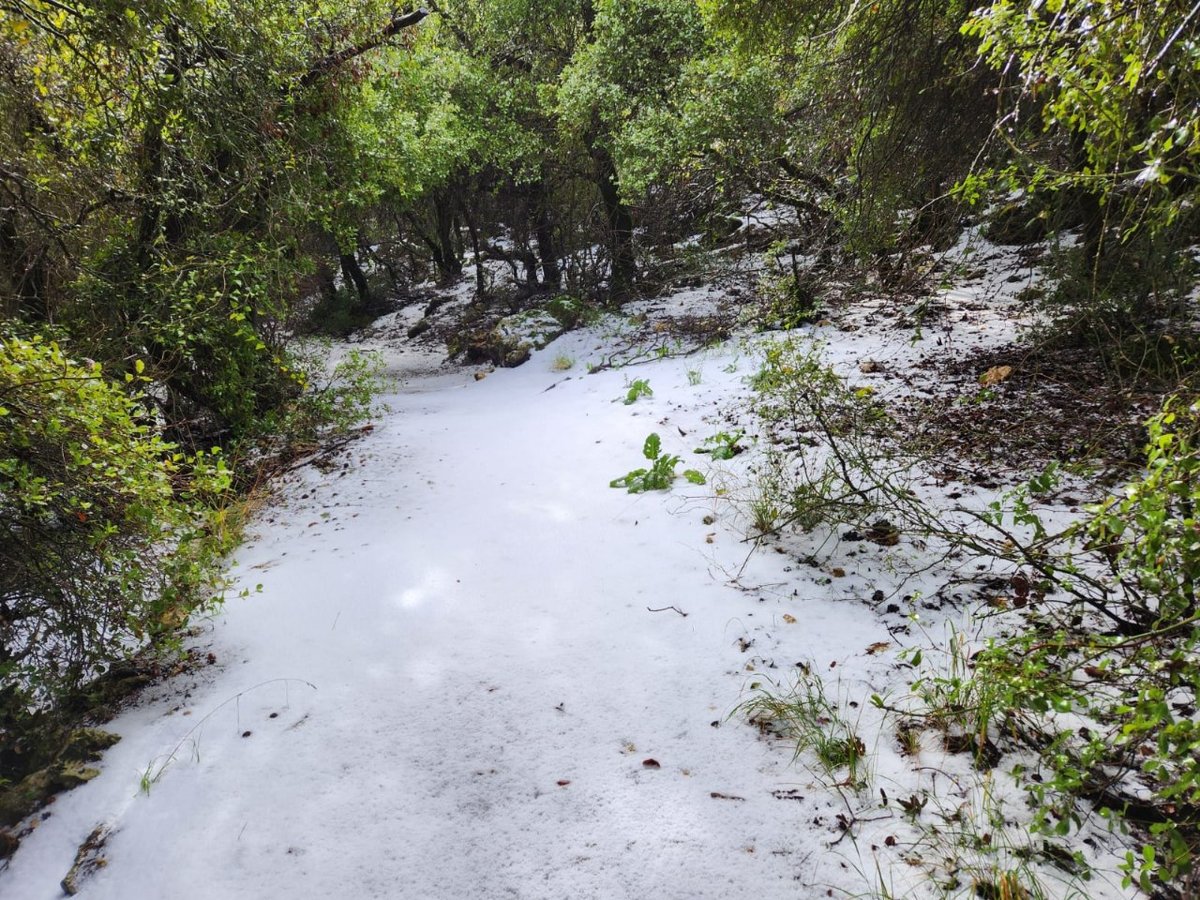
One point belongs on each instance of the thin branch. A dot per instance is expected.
(328, 63)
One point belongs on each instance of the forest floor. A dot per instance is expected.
(475, 670)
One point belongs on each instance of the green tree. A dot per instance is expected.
(1102, 111)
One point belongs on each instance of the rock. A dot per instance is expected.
(512, 340)
(884, 534)
(24, 798)
(88, 859)
(86, 744)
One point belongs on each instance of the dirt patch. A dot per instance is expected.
(1019, 408)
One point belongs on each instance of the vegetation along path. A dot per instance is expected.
(452, 683)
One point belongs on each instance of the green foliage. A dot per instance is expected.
(327, 407)
(802, 712)
(1107, 634)
(1118, 141)
(639, 388)
(789, 301)
(103, 544)
(570, 311)
(1149, 535)
(661, 473)
(722, 445)
(633, 63)
(160, 191)
(864, 91)
(1125, 79)
(830, 460)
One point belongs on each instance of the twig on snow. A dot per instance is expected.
(665, 608)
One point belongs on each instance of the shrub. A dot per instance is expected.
(326, 407)
(101, 525)
(830, 459)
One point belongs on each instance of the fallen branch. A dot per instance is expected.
(665, 608)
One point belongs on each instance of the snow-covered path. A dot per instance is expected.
(469, 599)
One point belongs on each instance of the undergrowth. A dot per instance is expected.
(115, 537)
(1088, 669)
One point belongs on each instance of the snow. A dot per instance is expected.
(450, 682)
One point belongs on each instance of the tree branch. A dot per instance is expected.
(327, 64)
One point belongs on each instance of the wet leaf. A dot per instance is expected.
(995, 375)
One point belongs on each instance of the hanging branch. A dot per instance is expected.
(326, 64)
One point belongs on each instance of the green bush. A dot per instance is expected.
(102, 540)
(326, 407)
(830, 459)
(1108, 636)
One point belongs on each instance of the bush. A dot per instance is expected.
(830, 459)
(328, 407)
(101, 525)
(1099, 674)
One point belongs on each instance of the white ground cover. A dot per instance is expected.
(451, 684)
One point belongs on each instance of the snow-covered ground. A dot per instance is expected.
(452, 683)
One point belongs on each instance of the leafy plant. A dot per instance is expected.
(764, 513)
(639, 388)
(661, 473)
(723, 445)
(829, 458)
(1097, 672)
(789, 299)
(106, 544)
(330, 408)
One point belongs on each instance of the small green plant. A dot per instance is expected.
(722, 445)
(562, 363)
(637, 389)
(829, 457)
(571, 311)
(803, 713)
(764, 514)
(331, 408)
(955, 700)
(694, 377)
(661, 473)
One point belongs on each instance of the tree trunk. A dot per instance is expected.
(473, 231)
(543, 229)
(620, 225)
(354, 274)
(1091, 213)
(443, 210)
(26, 271)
